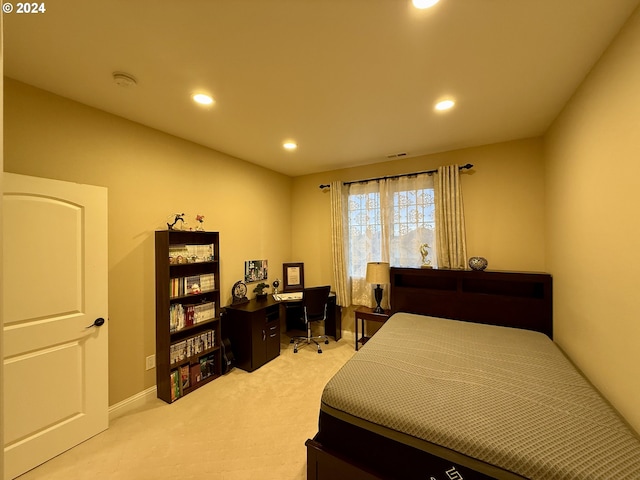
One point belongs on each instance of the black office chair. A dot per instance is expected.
(314, 309)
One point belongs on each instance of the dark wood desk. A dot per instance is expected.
(332, 326)
(253, 328)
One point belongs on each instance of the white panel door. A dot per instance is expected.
(55, 287)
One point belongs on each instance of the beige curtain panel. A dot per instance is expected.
(338, 225)
(450, 229)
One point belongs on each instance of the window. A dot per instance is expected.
(414, 224)
(389, 221)
(365, 232)
(396, 221)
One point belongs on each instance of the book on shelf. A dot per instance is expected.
(184, 377)
(192, 346)
(176, 287)
(181, 254)
(178, 254)
(201, 253)
(182, 316)
(176, 317)
(191, 285)
(177, 352)
(175, 385)
(196, 376)
(207, 282)
(207, 366)
(203, 312)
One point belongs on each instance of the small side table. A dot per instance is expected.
(366, 313)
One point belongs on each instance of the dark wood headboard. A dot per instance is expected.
(511, 299)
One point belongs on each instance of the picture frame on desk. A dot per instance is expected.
(293, 277)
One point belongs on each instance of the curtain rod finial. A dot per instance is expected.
(322, 187)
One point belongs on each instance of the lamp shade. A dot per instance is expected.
(378, 272)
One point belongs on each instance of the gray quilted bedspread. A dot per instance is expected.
(504, 396)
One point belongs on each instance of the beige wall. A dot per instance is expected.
(149, 175)
(593, 201)
(503, 200)
(1, 248)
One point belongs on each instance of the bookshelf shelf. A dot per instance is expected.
(196, 326)
(191, 264)
(188, 353)
(192, 295)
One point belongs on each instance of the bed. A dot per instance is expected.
(482, 393)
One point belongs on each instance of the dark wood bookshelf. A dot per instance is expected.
(208, 359)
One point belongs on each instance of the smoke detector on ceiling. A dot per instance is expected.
(124, 79)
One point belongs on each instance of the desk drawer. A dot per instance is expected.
(273, 340)
(272, 313)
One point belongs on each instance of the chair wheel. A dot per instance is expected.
(326, 342)
(295, 350)
(291, 341)
(319, 350)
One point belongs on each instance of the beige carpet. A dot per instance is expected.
(240, 426)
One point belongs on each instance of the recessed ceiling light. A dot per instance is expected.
(290, 145)
(424, 3)
(445, 105)
(202, 99)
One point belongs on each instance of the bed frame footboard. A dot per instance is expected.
(324, 464)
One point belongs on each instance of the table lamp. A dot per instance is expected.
(378, 273)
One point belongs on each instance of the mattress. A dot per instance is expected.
(494, 398)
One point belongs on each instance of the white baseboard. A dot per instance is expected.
(132, 403)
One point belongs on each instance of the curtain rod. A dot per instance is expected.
(391, 177)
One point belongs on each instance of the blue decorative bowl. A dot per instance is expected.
(478, 263)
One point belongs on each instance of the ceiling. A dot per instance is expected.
(350, 81)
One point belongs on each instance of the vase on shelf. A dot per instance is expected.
(478, 263)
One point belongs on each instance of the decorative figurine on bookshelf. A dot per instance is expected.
(178, 217)
(200, 220)
(424, 252)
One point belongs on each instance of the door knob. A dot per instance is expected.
(97, 323)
